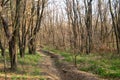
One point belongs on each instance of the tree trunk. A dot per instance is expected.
(115, 26)
(22, 45)
(12, 53)
(2, 49)
(88, 22)
(12, 44)
(32, 46)
(22, 51)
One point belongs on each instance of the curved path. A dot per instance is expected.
(54, 68)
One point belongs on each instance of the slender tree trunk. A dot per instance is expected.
(2, 49)
(23, 31)
(32, 46)
(36, 29)
(12, 53)
(22, 49)
(115, 26)
(88, 22)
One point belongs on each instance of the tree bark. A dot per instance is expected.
(88, 22)
(115, 27)
(32, 46)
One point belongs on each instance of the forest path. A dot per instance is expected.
(48, 68)
(55, 68)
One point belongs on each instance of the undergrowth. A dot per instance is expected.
(27, 67)
(105, 65)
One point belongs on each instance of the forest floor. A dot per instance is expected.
(104, 65)
(28, 68)
(56, 69)
(45, 66)
(48, 68)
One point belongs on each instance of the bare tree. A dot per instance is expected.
(12, 36)
(23, 30)
(115, 21)
(88, 22)
(35, 29)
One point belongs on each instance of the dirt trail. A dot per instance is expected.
(48, 69)
(55, 68)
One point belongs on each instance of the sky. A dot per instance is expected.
(60, 5)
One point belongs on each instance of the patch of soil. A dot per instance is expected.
(48, 68)
(56, 65)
